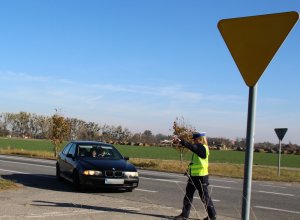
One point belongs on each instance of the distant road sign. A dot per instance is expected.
(253, 41)
(280, 132)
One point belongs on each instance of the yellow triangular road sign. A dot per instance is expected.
(253, 41)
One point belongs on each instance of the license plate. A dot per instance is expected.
(114, 181)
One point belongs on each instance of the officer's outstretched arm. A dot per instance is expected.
(198, 149)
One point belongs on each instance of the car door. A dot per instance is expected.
(70, 162)
(62, 159)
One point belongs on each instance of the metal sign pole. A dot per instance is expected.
(249, 153)
(280, 132)
(279, 156)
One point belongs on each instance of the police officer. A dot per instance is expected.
(198, 176)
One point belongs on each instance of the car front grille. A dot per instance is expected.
(113, 173)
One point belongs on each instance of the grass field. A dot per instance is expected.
(164, 153)
(31, 144)
(216, 156)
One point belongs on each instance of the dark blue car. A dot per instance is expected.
(97, 164)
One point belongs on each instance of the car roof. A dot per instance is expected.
(91, 142)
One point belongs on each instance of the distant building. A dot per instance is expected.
(166, 142)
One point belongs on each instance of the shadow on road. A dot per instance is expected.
(41, 181)
(94, 208)
(49, 182)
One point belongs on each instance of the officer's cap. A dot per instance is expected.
(198, 134)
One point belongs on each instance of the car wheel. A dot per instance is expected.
(129, 190)
(58, 176)
(76, 181)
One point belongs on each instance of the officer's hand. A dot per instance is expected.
(176, 139)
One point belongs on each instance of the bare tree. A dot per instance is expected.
(43, 124)
(77, 128)
(3, 126)
(147, 137)
(136, 138)
(115, 134)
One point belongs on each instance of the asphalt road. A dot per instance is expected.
(269, 200)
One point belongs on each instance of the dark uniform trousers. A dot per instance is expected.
(201, 184)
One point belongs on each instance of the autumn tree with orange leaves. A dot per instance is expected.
(60, 131)
(182, 130)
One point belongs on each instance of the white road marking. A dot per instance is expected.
(53, 214)
(163, 180)
(29, 159)
(274, 209)
(160, 173)
(145, 190)
(282, 187)
(13, 171)
(223, 187)
(216, 200)
(30, 164)
(180, 175)
(175, 181)
(225, 181)
(276, 193)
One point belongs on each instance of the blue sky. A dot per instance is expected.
(141, 64)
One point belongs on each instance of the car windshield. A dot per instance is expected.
(98, 151)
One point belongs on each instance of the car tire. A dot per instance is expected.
(76, 181)
(58, 176)
(129, 189)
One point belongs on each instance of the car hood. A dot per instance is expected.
(106, 164)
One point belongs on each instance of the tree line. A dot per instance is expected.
(57, 127)
(31, 125)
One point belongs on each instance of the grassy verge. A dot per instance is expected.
(223, 170)
(28, 153)
(7, 184)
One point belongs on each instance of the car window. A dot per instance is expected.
(72, 150)
(98, 151)
(85, 150)
(111, 153)
(67, 148)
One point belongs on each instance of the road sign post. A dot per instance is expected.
(279, 158)
(253, 42)
(249, 151)
(280, 132)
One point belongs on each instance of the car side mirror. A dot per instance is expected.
(70, 156)
(126, 158)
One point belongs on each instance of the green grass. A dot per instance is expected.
(151, 152)
(32, 145)
(164, 153)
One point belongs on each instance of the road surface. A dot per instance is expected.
(157, 190)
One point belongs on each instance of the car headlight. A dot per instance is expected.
(92, 173)
(131, 174)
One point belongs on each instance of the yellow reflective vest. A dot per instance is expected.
(199, 166)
